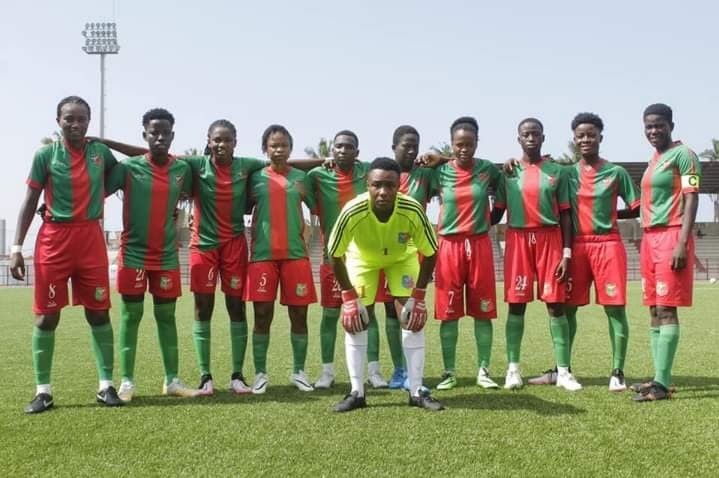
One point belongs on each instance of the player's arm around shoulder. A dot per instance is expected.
(116, 177)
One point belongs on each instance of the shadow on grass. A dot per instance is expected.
(683, 382)
(511, 401)
(498, 402)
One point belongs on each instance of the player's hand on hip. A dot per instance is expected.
(414, 312)
(562, 271)
(17, 266)
(679, 257)
(354, 313)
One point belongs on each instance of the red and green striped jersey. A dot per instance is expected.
(464, 196)
(534, 195)
(277, 221)
(417, 184)
(219, 199)
(151, 193)
(332, 189)
(668, 176)
(73, 181)
(593, 192)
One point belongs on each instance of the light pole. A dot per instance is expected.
(101, 39)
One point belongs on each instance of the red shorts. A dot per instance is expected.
(58, 258)
(660, 284)
(530, 254)
(330, 290)
(465, 271)
(602, 260)
(229, 261)
(165, 284)
(295, 276)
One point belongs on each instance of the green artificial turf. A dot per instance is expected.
(537, 431)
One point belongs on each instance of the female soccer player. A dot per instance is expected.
(152, 185)
(670, 189)
(598, 253)
(538, 244)
(465, 263)
(331, 190)
(415, 182)
(278, 255)
(71, 173)
(218, 246)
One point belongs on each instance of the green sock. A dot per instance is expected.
(394, 339)
(328, 333)
(299, 351)
(372, 338)
(514, 333)
(167, 337)
(559, 329)
(666, 348)
(238, 340)
(448, 334)
(618, 334)
(654, 339)
(131, 315)
(102, 345)
(570, 312)
(43, 346)
(260, 344)
(483, 332)
(202, 336)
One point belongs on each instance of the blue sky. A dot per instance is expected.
(321, 66)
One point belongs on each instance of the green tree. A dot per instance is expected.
(712, 154)
(184, 206)
(443, 149)
(323, 151)
(571, 157)
(53, 138)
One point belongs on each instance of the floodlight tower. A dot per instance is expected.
(101, 39)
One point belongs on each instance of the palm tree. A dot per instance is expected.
(443, 149)
(323, 151)
(569, 158)
(712, 154)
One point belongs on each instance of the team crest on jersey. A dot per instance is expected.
(662, 288)
(607, 181)
(96, 160)
(165, 283)
(100, 294)
(610, 289)
(551, 180)
(482, 176)
(179, 179)
(407, 281)
(235, 282)
(301, 289)
(403, 237)
(485, 305)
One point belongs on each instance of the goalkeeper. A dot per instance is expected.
(383, 229)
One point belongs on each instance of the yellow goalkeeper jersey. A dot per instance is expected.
(359, 234)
